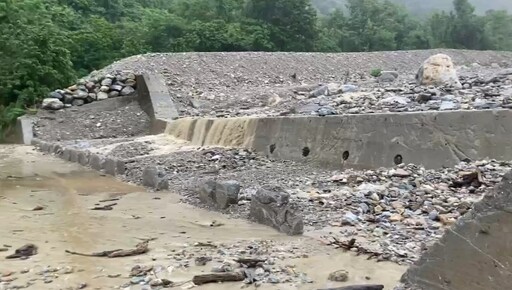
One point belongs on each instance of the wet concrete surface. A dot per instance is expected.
(67, 192)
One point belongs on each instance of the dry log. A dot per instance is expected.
(140, 248)
(358, 287)
(218, 277)
(250, 262)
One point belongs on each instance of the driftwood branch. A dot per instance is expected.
(140, 248)
(249, 262)
(358, 287)
(218, 277)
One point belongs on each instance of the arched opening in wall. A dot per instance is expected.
(272, 148)
(398, 159)
(345, 155)
(305, 151)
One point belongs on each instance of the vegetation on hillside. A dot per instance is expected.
(46, 44)
(421, 7)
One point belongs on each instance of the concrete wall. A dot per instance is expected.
(433, 139)
(475, 253)
(22, 131)
(155, 100)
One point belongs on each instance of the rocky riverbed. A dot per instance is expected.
(54, 206)
(384, 214)
(390, 214)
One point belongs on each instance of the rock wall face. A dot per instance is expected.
(475, 252)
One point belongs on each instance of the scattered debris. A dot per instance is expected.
(24, 252)
(105, 207)
(338, 276)
(140, 248)
(218, 277)
(357, 287)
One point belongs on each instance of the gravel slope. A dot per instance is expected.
(258, 83)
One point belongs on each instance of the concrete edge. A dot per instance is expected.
(98, 162)
(83, 157)
(155, 100)
(434, 139)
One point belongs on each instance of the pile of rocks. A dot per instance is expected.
(392, 213)
(91, 89)
(258, 262)
(437, 87)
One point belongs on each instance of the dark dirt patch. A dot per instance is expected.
(98, 120)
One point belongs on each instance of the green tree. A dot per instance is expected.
(293, 23)
(498, 30)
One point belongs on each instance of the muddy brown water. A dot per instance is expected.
(67, 191)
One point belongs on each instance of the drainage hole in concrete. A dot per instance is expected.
(345, 155)
(305, 151)
(398, 159)
(272, 148)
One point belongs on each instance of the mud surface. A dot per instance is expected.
(65, 193)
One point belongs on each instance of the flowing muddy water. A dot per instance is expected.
(67, 192)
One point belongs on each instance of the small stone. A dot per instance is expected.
(130, 82)
(201, 261)
(338, 276)
(106, 82)
(78, 102)
(80, 94)
(433, 215)
(73, 88)
(349, 219)
(102, 96)
(127, 91)
(90, 86)
(326, 111)
(391, 99)
(273, 279)
(349, 88)
(113, 94)
(52, 104)
(449, 105)
(55, 95)
(321, 91)
(116, 88)
(387, 76)
(399, 172)
(104, 89)
(396, 218)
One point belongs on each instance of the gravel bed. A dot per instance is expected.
(394, 213)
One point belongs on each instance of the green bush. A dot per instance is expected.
(376, 72)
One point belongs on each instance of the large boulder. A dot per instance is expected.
(52, 104)
(273, 209)
(438, 70)
(475, 252)
(219, 194)
(155, 177)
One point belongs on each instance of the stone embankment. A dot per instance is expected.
(91, 89)
(389, 214)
